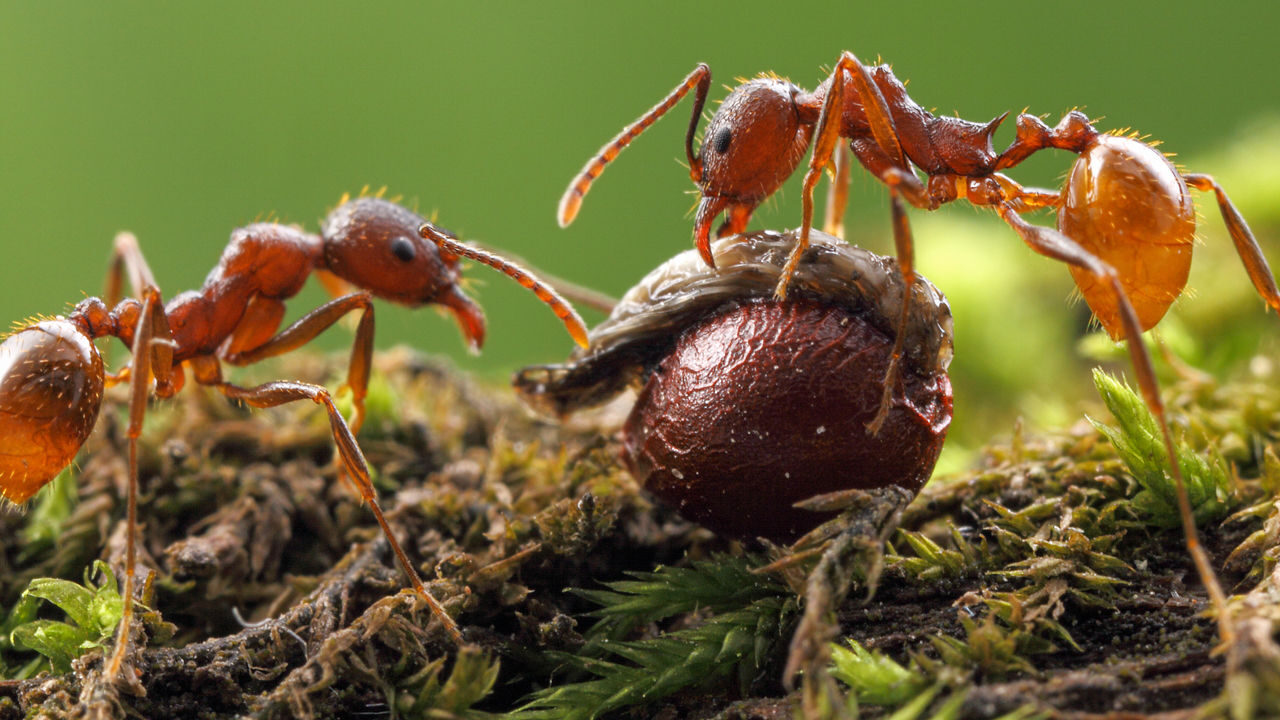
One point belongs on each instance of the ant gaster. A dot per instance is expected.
(52, 378)
(1125, 225)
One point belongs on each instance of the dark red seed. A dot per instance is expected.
(766, 405)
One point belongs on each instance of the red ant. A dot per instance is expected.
(1126, 221)
(52, 379)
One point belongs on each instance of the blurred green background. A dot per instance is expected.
(181, 121)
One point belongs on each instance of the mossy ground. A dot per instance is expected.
(1033, 581)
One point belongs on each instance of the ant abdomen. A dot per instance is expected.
(51, 381)
(1126, 204)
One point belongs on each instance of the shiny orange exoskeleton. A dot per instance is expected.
(1126, 221)
(52, 376)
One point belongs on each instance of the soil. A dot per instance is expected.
(242, 516)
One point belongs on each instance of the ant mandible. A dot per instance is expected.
(52, 377)
(1126, 222)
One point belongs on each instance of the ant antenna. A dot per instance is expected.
(572, 198)
(561, 307)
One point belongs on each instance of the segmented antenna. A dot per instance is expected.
(572, 198)
(561, 307)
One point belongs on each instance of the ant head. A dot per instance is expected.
(50, 391)
(752, 144)
(374, 244)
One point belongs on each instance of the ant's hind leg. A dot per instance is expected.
(352, 459)
(1053, 244)
(1246, 246)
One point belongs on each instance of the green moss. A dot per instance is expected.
(94, 611)
(1138, 441)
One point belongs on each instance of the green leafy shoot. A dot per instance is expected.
(733, 644)
(993, 647)
(948, 710)
(471, 680)
(876, 679)
(930, 561)
(751, 612)
(716, 584)
(1140, 445)
(94, 612)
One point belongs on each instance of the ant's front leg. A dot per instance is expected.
(828, 134)
(882, 155)
(247, 346)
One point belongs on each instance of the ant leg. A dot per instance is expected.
(152, 356)
(903, 185)
(352, 458)
(997, 188)
(241, 351)
(1180, 368)
(826, 136)
(837, 194)
(1053, 244)
(882, 154)
(905, 249)
(1246, 246)
(121, 376)
(126, 259)
(874, 105)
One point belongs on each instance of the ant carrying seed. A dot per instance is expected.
(1125, 219)
(52, 377)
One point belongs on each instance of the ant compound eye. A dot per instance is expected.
(722, 139)
(403, 248)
